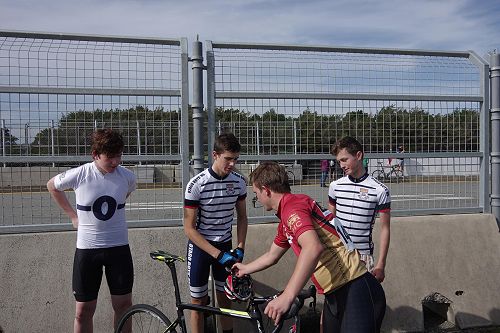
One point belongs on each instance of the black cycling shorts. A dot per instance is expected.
(358, 306)
(199, 263)
(87, 272)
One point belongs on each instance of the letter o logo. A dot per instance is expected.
(97, 207)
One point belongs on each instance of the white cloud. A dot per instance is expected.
(427, 24)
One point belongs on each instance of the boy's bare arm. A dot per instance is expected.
(241, 223)
(385, 238)
(193, 234)
(61, 199)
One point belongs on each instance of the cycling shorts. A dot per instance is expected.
(87, 272)
(199, 263)
(358, 306)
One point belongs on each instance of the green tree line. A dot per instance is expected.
(157, 131)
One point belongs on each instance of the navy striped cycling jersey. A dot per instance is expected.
(215, 198)
(357, 202)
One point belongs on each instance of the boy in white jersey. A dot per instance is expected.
(210, 199)
(355, 200)
(101, 188)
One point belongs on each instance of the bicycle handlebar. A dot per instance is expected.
(296, 306)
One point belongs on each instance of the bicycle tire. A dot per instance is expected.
(145, 319)
(378, 174)
(291, 177)
(398, 174)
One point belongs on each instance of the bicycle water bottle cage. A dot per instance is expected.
(238, 289)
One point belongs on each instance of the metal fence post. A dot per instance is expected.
(4, 153)
(197, 107)
(52, 141)
(210, 99)
(184, 113)
(495, 135)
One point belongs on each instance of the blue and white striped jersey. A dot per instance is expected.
(357, 202)
(215, 199)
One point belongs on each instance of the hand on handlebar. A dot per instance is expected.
(277, 307)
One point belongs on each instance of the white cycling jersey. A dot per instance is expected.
(357, 201)
(215, 199)
(100, 203)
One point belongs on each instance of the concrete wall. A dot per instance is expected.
(442, 254)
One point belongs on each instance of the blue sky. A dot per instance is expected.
(456, 25)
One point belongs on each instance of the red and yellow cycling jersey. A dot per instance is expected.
(337, 264)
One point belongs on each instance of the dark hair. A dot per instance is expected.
(108, 142)
(349, 143)
(227, 142)
(272, 175)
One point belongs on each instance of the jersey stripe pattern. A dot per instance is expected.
(357, 202)
(215, 198)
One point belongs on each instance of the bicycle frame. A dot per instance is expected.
(253, 312)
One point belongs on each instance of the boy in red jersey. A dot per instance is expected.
(354, 299)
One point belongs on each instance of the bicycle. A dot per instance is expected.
(393, 172)
(147, 318)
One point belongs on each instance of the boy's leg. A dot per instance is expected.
(220, 274)
(197, 318)
(365, 305)
(84, 313)
(120, 304)
(198, 270)
(87, 276)
(119, 270)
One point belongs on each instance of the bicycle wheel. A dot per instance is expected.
(143, 318)
(378, 174)
(291, 177)
(398, 175)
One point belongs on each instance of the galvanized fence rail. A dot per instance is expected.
(285, 102)
(55, 89)
(290, 103)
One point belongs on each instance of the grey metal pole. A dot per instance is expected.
(52, 144)
(4, 153)
(184, 114)
(138, 133)
(210, 98)
(197, 106)
(295, 140)
(495, 135)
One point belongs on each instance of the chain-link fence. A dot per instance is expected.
(55, 90)
(287, 103)
(291, 103)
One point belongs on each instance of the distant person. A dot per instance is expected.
(401, 161)
(101, 189)
(209, 203)
(365, 164)
(355, 199)
(354, 299)
(332, 169)
(324, 166)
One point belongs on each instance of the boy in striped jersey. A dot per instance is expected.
(209, 202)
(355, 200)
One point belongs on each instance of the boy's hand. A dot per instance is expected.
(226, 259)
(238, 253)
